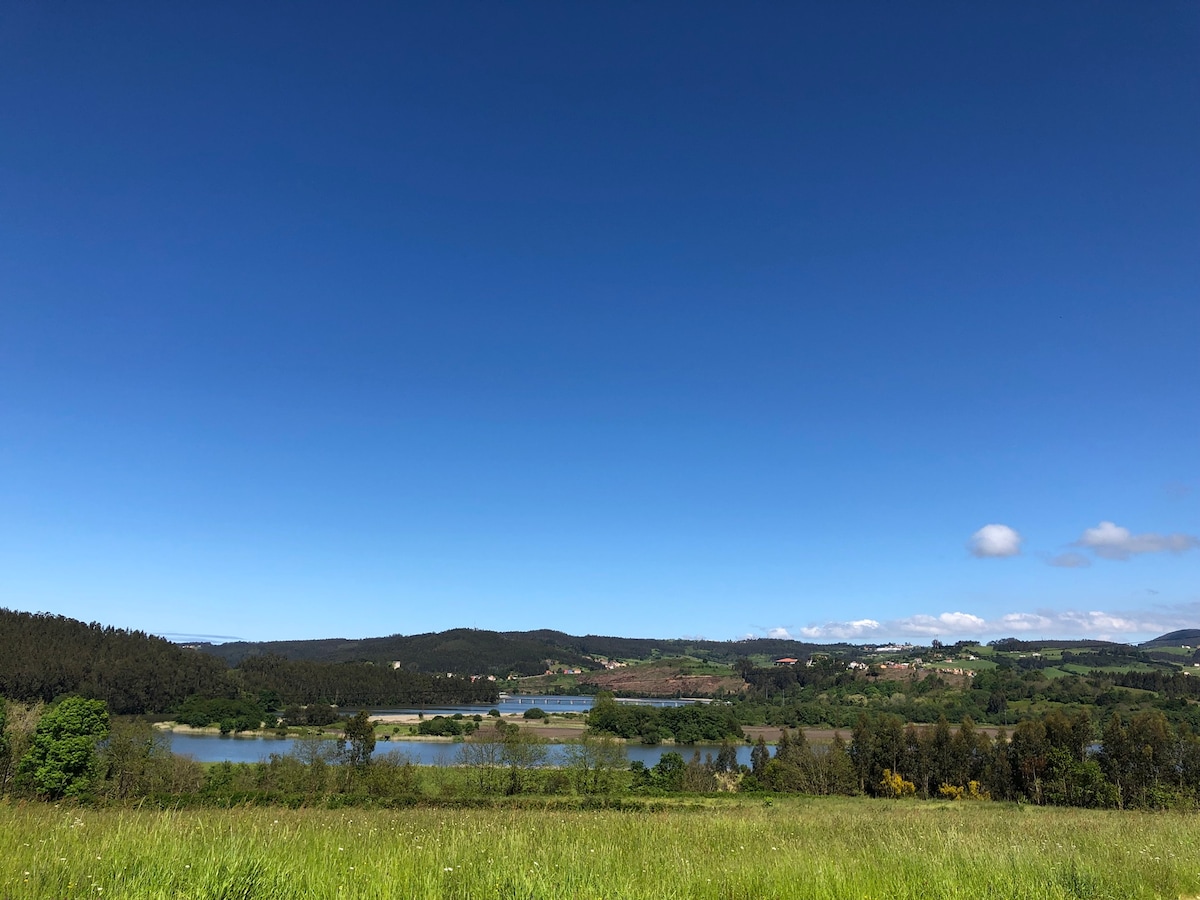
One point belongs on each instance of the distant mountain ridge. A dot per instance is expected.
(468, 651)
(1188, 636)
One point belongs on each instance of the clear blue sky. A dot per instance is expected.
(646, 319)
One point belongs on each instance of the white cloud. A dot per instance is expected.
(1111, 541)
(945, 623)
(1097, 622)
(1024, 622)
(1069, 560)
(1042, 623)
(995, 541)
(779, 633)
(841, 630)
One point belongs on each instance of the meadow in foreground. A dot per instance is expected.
(825, 848)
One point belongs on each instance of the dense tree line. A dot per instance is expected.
(355, 684)
(1057, 759)
(1169, 684)
(229, 715)
(652, 725)
(73, 750)
(829, 694)
(43, 657)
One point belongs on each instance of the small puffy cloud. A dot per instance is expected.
(1110, 541)
(992, 541)
(841, 630)
(1069, 560)
(779, 633)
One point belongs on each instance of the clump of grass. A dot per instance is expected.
(826, 849)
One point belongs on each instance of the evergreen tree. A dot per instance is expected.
(862, 752)
(759, 757)
(940, 763)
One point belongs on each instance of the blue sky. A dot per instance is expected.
(862, 320)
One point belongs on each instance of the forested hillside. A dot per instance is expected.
(469, 651)
(44, 656)
(463, 651)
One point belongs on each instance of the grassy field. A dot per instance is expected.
(836, 849)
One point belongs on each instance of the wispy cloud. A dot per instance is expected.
(992, 541)
(842, 631)
(1110, 541)
(1069, 560)
(180, 638)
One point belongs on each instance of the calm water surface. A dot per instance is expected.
(218, 748)
(253, 748)
(517, 703)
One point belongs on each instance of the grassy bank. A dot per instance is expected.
(829, 848)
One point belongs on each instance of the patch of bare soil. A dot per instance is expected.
(652, 681)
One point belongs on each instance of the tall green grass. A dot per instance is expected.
(830, 848)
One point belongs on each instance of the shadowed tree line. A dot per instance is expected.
(1058, 759)
(43, 657)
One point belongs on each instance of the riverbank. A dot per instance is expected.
(549, 729)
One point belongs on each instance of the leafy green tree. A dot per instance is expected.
(699, 775)
(522, 752)
(62, 760)
(440, 726)
(593, 762)
(483, 754)
(125, 756)
(1150, 758)
(359, 741)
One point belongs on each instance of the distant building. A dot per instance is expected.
(786, 661)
